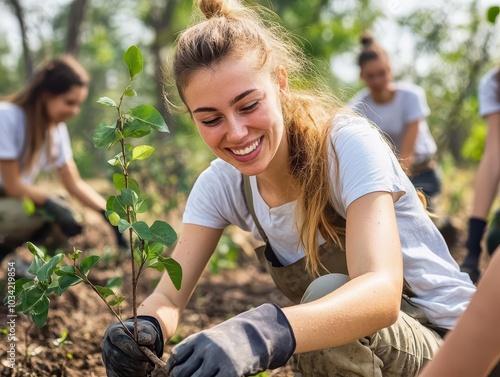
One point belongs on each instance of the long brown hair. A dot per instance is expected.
(56, 76)
(232, 30)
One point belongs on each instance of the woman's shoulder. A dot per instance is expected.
(490, 77)
(7, 108)
(345, 123)
(11, 115)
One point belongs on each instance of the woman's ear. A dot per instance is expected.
(282, 78)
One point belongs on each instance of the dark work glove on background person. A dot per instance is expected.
(121, 239)
(63, 216)
(120, 353)
(244, 345)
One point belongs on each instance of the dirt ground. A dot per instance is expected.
(85, 318)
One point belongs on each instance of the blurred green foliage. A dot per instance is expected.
(451, 52)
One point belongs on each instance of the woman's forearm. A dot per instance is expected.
(360, 307)
(160, 307)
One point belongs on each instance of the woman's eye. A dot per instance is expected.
(211, 122)
(251, 107)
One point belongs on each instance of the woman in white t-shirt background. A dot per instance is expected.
(399, 109)
(34, 137)
(487, 177)
(323, 188)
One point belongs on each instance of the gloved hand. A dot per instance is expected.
(493, 237)
(63, 216)
(121, 239)
(473, 244)
(247, 344)
(121, 354)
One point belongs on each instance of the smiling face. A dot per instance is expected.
(377, 74)
(237, 110)
(61, 107)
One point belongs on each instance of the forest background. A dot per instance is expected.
(444, 46)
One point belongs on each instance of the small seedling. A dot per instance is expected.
(51, 275)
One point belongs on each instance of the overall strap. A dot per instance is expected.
(249, 200)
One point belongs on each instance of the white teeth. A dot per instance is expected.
(247, 150)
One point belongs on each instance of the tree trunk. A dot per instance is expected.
(19, 12)
(161, 21)
(75, 19)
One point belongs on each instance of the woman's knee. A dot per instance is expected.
(323, 285)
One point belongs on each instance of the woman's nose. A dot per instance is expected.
(236, 130)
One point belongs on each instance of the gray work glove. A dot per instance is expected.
(121, 354)
(62, 215)
(247, 344)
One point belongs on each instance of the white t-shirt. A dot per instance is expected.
(408, 105)
(13, 134)
(489, 103)
(366, 164)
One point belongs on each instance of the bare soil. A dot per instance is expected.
(80, 312)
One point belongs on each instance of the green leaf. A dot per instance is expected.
(118, 301)
(110, 202)
(114, 282)
(66, 269)
(41, 311)
(141, 152)
(22, 284)
(153, 250)
(135, 129)
(141, 205)
(45, 272)
(119, 182)
(53, 287)
(104, 135)
(163, 233)
(119, 207)
(149, 115)
(142, 230)
(75, 255)
(28, 206)
(104, 291)
(113, 218)
(493, 13)
(35, 250)
(106, 101)
(35, 265)
(32, 297)
(129, 92)
(67, 281)
(115, 160)
(138, 256)
(123, 225)
(174, 270)
(87, 263)
(129, 197)
(133, 60)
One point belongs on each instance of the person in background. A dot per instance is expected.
(487, 177)
(472, 348)
(35, 137)
(346, 231)
(399, 109)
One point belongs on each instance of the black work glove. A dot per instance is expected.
(247, 344)
(121, 239)
(493, 237)
(62, 215)
(122, 356)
